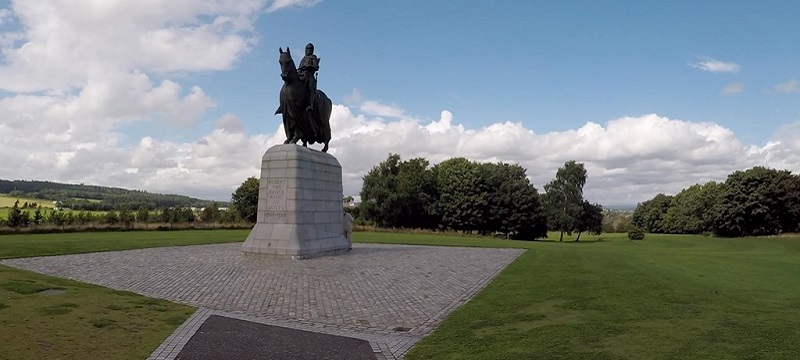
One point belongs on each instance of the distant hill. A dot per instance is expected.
(94, 197)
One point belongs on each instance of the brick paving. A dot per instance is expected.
(389, 295)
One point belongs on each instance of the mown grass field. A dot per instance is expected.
(667, 297)
(8, 201)
(86, 321)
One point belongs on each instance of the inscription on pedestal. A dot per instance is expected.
(276, 201)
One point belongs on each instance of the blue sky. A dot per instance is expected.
(652, 96)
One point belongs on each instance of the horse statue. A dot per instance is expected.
(308, 126)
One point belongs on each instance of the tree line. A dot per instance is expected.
(485, 198)
(753, 202)
(462, 195)
(18, 217)
(95, 198)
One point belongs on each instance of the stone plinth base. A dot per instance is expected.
(299, 205)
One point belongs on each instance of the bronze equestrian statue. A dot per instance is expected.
(306, 110)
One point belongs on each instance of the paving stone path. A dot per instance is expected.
(389, 295)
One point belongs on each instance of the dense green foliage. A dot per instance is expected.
(636, 233)
(456, 194)
(245, 199)
(564, 198)
(691, 211)
(41, 220)
(757, 201)
(590, 219)
(567, 211)
(93, 197)
(650, 214)
(399, 194)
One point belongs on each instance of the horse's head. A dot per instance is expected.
(288, 68)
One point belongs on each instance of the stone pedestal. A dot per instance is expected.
(299, 205)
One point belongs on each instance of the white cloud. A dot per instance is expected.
(628, 159)
(79, 71)
(714, 65)
(375, 108)
(64, 43)
(353, 98)
(282, 4)
(791, 86)
(230, 123)
(733, 88)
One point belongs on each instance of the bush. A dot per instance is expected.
(636, 233)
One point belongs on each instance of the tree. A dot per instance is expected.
(513, 208)
(230, 216)
(691, 210)
(245, 199)
(399, 193)
(590, 219)
(16, 217)
(37, 216)
(126, 217)
(649, 215)
(564, 198)
(211, 213)
(112, 218)
(143, 215)
(462, 202)
(184, 214)
(758, 201)
(58, 218)
(166, 215)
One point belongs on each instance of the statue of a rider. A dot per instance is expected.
(307, 71)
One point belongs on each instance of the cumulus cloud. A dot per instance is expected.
(375, 108)
(791, 86)
(230, 123)
(714, 65)
(733, 88)
(64, 43)
(75, 74)
(629, 159)
(282, 4)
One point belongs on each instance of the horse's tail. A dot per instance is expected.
(323, 118)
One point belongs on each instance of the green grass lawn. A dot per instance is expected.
(28, 245)
(86, 321)
(666, 297)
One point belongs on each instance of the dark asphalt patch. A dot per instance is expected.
(222, 338)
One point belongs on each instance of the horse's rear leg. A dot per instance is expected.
(325, 149)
